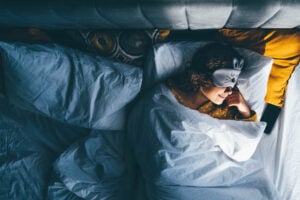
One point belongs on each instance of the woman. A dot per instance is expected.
(209, 84)
(185, 154)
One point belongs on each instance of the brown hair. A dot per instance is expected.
(205, 61)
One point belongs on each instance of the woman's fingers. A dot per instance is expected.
(233, 99)
(236, 99)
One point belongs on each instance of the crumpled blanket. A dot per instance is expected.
(181, 152)
(95, 167)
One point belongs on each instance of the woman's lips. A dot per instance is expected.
(222, 97)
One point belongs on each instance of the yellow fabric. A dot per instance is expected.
(217, 111)
(281, 45)
(28, 35)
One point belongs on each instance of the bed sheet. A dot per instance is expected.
(183, 154)
(95, 167)
(279, 152)
(29, 144)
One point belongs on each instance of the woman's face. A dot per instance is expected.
(217, 95)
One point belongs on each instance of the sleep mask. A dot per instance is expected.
(227, 77)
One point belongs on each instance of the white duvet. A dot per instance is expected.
(183, 154)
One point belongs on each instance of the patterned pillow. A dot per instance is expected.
(128, 46)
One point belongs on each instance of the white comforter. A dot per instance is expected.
(183, 154)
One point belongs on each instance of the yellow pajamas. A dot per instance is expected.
(281, 45)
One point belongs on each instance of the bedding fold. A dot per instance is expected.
(177, 146)
(68, 85)
(96, 167)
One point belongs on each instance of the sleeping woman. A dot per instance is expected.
(184, 154)
(209, 84)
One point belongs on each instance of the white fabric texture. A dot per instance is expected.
(279, 152)
(29, 144)
(288, 151)
(96, 167)
(178, 146)
(69, 85)
(169, 58)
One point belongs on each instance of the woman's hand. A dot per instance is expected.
(236, 99)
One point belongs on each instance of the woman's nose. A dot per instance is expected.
(228, 90)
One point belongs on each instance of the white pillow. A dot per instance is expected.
(68, 85)
(166, 59)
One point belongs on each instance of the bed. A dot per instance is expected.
(78, 122)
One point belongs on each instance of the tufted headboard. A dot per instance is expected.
(172, 14)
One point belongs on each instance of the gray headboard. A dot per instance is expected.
(173, 14)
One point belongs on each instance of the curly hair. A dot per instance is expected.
(205, 61)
